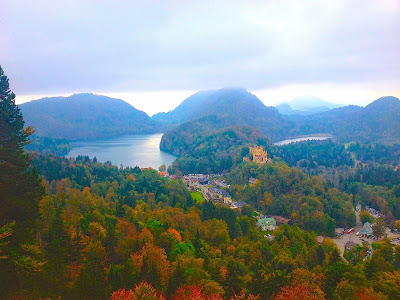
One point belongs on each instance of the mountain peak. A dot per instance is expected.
(209, 102)
(311, 103)
(384, 103)
(85, 116)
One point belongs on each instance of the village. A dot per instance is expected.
(213, 187)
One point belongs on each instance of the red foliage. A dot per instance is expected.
(142, 291)
(367, 294)
(193, 293)
(242, 296)
(298, 292)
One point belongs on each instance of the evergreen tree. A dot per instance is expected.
(20, 186)
(20, 190)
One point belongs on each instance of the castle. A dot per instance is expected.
(258, 154)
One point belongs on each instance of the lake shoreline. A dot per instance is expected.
(140, 150)
(310, 137)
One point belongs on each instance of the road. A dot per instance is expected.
(341, 241)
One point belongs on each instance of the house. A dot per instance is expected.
(266, 223)
(237, 204)
(252, 181)
(320, 239)
(367, 229)
(203, 180)
(281, 220)
(240, 204)
(220, 194)
(339, 231)
(349, 245)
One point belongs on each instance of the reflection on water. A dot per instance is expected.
(131, 150)
(308, 138)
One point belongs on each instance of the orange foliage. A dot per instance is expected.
(193, 293)
(368, 294)
(156, 258)
(176, 234)
(302, 291)
(224, 272)
(131, 178)
(145, 236)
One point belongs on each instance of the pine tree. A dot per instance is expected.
(20, 186)
(20, 191)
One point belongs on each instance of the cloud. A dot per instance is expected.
(50, 47)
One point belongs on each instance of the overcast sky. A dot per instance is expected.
(154, 54)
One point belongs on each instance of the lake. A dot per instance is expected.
(300, 139)
(131, 150)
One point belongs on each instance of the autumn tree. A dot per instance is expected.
(365, 216)
(303, 291)
(379, 228)
(193, 293)
(142, 291)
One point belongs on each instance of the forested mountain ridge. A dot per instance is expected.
(89, 116)
(229, 107)
(377, 122)
(210, 150)
(85, 116)
(186, 111)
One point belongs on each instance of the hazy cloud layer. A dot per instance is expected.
(112, 46)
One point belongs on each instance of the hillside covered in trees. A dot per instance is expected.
(79, 229)
(85, 116)
(203, 149)
(238, 107)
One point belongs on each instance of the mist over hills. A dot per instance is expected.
(228, 107)
(89, 116)
(306, 105)
(186, 111)
(85, 116)
(378, 122)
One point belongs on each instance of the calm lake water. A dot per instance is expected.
(299, 139)
(131, 150)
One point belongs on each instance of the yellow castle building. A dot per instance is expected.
(259, 155)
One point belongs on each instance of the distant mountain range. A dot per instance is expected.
(85, 116)
(378, 122)
(227, 107)
(89, 116)
(306, 105)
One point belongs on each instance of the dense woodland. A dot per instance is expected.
(86, 116)
(47, 145)
(203, 150)
(281, 190)
(80, 229)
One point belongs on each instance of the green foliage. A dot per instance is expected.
(198, 197)
(209, 150)
(290, 193)
(314, 154)
(85, 116)
(46, 145)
